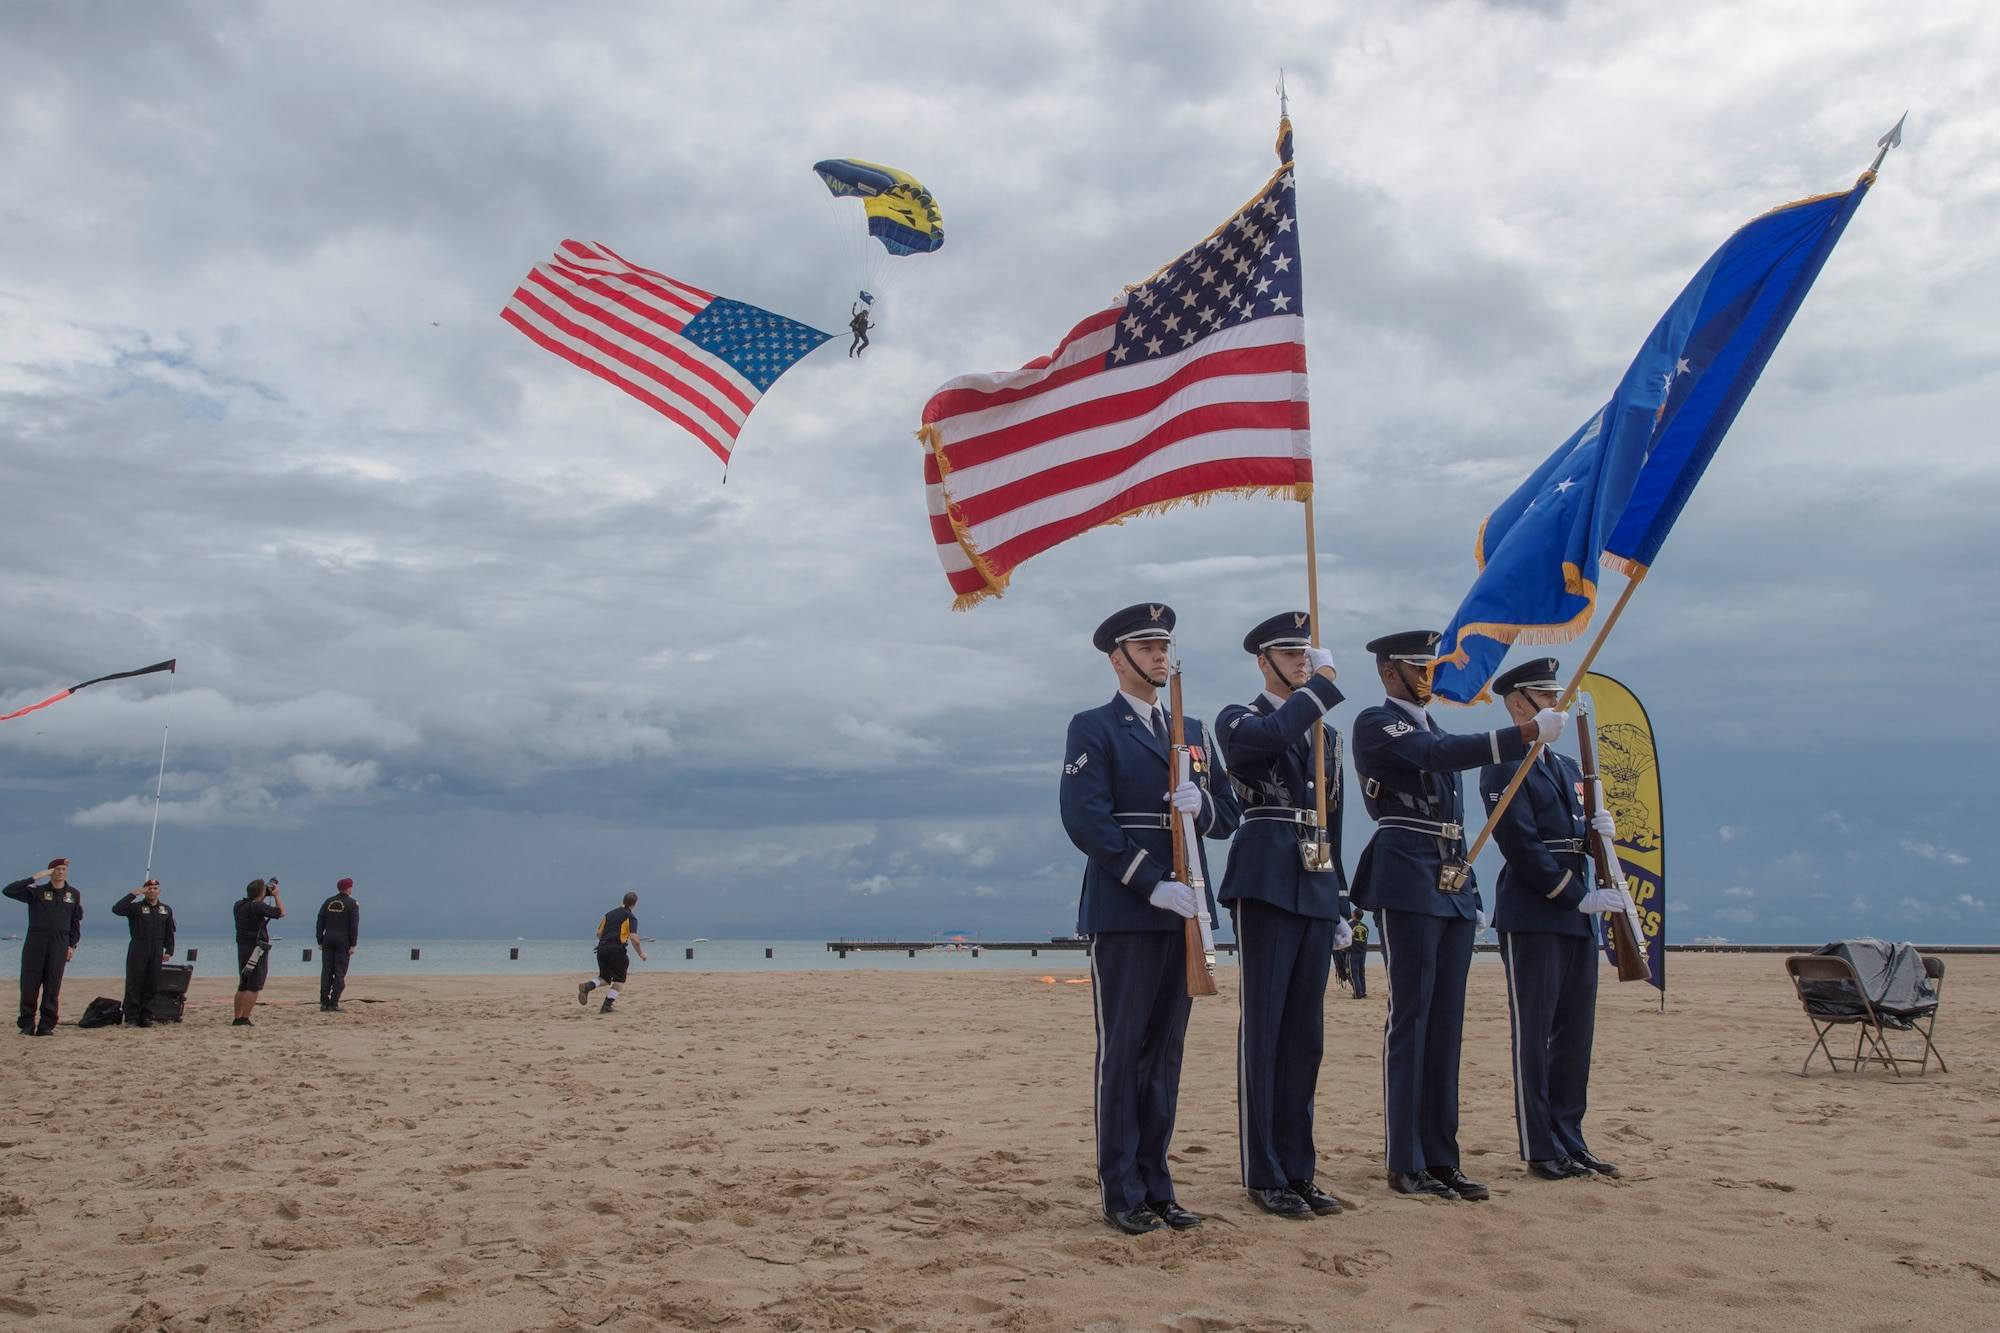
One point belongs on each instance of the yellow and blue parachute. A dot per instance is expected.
(901, 213)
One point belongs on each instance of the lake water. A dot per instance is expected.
(103, 955)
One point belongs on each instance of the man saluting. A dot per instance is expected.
(152, 925)
(55, 925)
(1544, 915)
(1413, 872)
(1289, 911)
(1117, 797)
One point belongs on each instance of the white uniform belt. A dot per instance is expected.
(1430, 826)
(1139, 819)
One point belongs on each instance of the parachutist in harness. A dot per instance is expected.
(860, 325)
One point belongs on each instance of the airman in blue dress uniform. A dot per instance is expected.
(1414, 876)
(1544, 910)
(1288, 903)
(1116, 800)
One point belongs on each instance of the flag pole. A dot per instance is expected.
(160, 779)
(1320, 836)
(1632, 583)
(1319, 732)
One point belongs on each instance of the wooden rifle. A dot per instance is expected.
(1199, 939)
(1628, 938)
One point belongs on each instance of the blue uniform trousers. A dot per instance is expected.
(1280, 1037)
(1552, 1000)
(1357, 969)
(1139, 987)
(1427, 960)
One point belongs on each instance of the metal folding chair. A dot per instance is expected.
(1934, 969)
(1831, 994)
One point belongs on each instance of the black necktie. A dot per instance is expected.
(1160, 726)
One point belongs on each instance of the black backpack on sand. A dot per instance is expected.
(102, 1013)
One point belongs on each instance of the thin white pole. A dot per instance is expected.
(159, 782)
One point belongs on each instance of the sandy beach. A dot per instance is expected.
(912, 1151)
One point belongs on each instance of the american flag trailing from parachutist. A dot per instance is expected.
(699, 359)
(1193, 385)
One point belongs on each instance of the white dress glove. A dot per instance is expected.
(1479, 919)
(1186, 798)
(1549, 725)
(1343, 934)
(1317, 658)
(1602, 822)
(1602, 900)
(1174, 896)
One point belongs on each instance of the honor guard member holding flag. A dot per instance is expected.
(152, 925)
(1289, 911)
(1116, 800)
(55, 925)
(339, 932)
(1545, 910)
(1413, 872)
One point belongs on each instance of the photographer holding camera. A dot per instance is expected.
(254, 915)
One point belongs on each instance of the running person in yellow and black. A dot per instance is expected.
(618, 929)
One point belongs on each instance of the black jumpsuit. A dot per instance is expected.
(152, 938)
(55, 925)
(338, 930)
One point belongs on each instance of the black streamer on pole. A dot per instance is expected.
(167, 666)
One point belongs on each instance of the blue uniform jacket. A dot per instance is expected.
(1540, 885)
(1407, 772)
(1114, 766)
(1268, 753)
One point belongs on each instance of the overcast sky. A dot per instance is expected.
(464, 622)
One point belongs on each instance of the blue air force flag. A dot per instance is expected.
(1611, 491)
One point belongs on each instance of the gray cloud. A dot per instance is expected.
(458, 617)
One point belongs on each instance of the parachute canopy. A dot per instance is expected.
(901, 213)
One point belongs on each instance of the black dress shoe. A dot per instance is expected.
(45, 1032)
(1418, 1183)
(1281, 1203)
(1587, 1158)
(1136, 1221)
(143, 1021)
(1454, 1180)
(1562, 1168)
(1315, 1198)
(1175, 1216)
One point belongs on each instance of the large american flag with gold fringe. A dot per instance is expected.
(1193, 385)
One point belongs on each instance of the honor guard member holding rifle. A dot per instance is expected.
(1117, 799)
(1287, 897)
(1413, 872)
(55, 925)
(338, 931)
(1545, 911)
(152, 925)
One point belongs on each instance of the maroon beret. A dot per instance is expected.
(59, 861)
(345, 884)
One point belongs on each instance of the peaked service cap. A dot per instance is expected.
(1538, 674)
(1147, 620)
(1416, 645)
(1287, 629)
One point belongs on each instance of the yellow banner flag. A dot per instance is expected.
(1629, 766)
